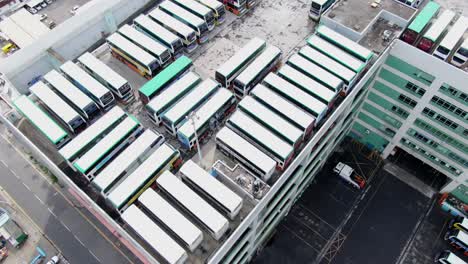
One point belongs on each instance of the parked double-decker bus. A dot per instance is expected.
(102, 96)
(452, 39)
(247, 154)
(217, 193)
(42, 121)
(458, 239)
(191, 20)
(218, 9)
(284, 108)
(318, 7)
(167, 98)
(263, 138)
(336, 53)
(164, 78)
(208, 115)
(436, 31)
(420, 23)
(108, 77)
(447, 257)
(315, 72)
(154, 236)
(345, 43)
(58, 107)
(130, 156)
(271, 120)
(153, 47)
(99, 154)
(70, 93)
(128, 190)
(184, 32)
(296, 95)
(174, 118)
(308, 85)
(90, 136)
(227, 72)
(161, 34)
(256, 71)
(174, 221)
(329, 64)
(215, 223)
(238, 7)
(133, 56)
(199, 10)
(461, 56)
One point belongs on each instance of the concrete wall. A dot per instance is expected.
(69, 39)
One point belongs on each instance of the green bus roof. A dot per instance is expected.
(421, 20)
(155, 84)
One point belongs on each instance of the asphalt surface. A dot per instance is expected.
(75, 236)
(335, 223)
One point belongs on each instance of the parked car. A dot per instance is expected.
(51, 24)
(74, 9)
(43, 17)
(54, 260)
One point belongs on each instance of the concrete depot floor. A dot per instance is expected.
(333, 223)
(59, 10)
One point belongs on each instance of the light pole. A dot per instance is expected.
(192, 117)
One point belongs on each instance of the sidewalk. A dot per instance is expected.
(27, 251)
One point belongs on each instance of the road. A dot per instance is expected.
(71, 231)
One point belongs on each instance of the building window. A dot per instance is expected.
(399, 111)
(415, 89)
(440, 118)
(454, 93)
(449, 107)
(406, 100)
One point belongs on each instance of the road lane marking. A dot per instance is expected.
(94, 256)
(4, 164)
(37, 197)
(79, 241)
(14, 173)
(72, 205)
(51, 212)
(27, 187)
(64, 225)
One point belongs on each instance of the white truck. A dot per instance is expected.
(349, 175)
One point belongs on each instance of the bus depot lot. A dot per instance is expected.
(335, 223)
(59, 10)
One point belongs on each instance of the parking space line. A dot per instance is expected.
(311, 229)
(305, 242)
(308, 210)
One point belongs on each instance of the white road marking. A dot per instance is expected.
(4, 163)
(66, 227)
(51, 212)
(37, 197)
(79, 240)
(27, 187)
(14, 173)
(94, 256)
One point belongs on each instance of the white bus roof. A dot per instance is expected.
(212, 3)
(206, 111)
(190, 100)
(182, 13)
(464, 45)
(246, 150)
(336, 53)
(156, 29)
(284, 106)
(316, 71)
(40, 119)
(259, 63)
(455, 33)
(102, 147)
(195, 7)
(327, 63)
(33, 3)
(153, 165)
(171, 22)
(193, 203)
(273, 120)
(93, 131)
(172, 218)
(68, 89)
(263, 136)
(346, 43)
(462, 236)
(143, 40)
(154, 235)
(54, 102)
(132, 49)
(438, 27)
(308, 83)
(126, 158)
(211, 186)
(102, 70)
(454, 259)
(79, 75)
(295, 93)
(242, 55)
(167, 95)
